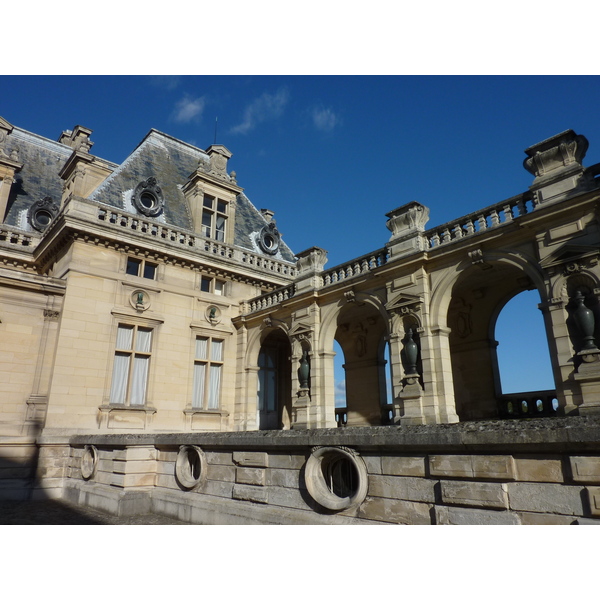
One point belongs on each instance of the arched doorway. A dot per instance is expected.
(274, 382)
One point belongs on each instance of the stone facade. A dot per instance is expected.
(152, 299)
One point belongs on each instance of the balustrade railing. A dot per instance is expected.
(358, 266)
(272, 298)
(16, 237)
(528, 405)
(185, 239)
(477, 222)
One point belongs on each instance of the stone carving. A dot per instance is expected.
(557, 152)
(406, 219)
(269, 238)
(148, 197)
(41, 213)
(213, 314)
(311, 261)
(140, 300)
(51, 315)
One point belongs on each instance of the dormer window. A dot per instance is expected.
(42, 213)
(214, 218)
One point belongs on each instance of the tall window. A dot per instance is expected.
(214, 218)
(130, 370)
(208, 368)
(212, 285)
(141, 268)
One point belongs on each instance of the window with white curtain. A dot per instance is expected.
(208, 369)
(130, 369)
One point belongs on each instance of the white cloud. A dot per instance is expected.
(340, 393)
(264, 108)
(325, 119)
(188, 109)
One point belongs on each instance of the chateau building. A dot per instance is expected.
(153, 323)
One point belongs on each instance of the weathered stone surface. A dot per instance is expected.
(403, 488)
(217, 488)
(543, 519)
(593, 496)
(373, 464)
(284, 478)
(547, 469)
(476, 466)
(134, 466)
(450, 515)
(251, 459)
(408, 466)
(583, 521)
(221, 472)
(395, 511)
(219, 458)
(546, 498)
(474, 493)
(290, 498)
(287, 461)
(585, 469)
(250, 476)
(250, 493)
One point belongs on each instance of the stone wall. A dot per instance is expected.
(539, 471)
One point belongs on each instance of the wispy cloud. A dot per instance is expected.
(324, 119)
(340, 393)
(264, 108)
(167, 82)
(188, 109)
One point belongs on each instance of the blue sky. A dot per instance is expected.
(332, 154)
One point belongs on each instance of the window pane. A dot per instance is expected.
(201, 348)
(139, 379)
(149, 271)
(118, 387)
(215, 386)
(221, 206)
(206, 222)
(208, 201)
(198, 389)
(143, 340)
(133, 266)
(219, 287)
(220, 228)
(205, 284)
(216, 350)
(124, 337)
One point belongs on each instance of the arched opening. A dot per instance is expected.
(360, 335)
(525, 383)
(339, 376)
(477, 299)
(274, 382)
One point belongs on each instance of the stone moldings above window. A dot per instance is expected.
(148, 198)
(269, 238)
(42, 213)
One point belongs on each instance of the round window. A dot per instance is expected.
(148, 197)
(190, 467)
(42, 213)
(269, 238)
(336, 478)
(43, 217)
(147, 200)
(89, 462)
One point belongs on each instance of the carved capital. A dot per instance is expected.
(406, 219)
(557, 152)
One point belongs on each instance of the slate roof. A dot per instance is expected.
(159, 155)
(42, 161)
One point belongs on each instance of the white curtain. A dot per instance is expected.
(216, 350)
(139, 379)
(143, 340)
(201, 348)
(124, 337)
(215, 386)
(118, 388)
(198, 389)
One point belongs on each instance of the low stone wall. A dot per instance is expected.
(539, 471)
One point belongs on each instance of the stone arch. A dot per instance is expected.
(360, 326)
(475, 296)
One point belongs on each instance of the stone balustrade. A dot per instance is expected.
(185, 239)
(355, 267)
(16, 237)
(477, 222)
(270, 299)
